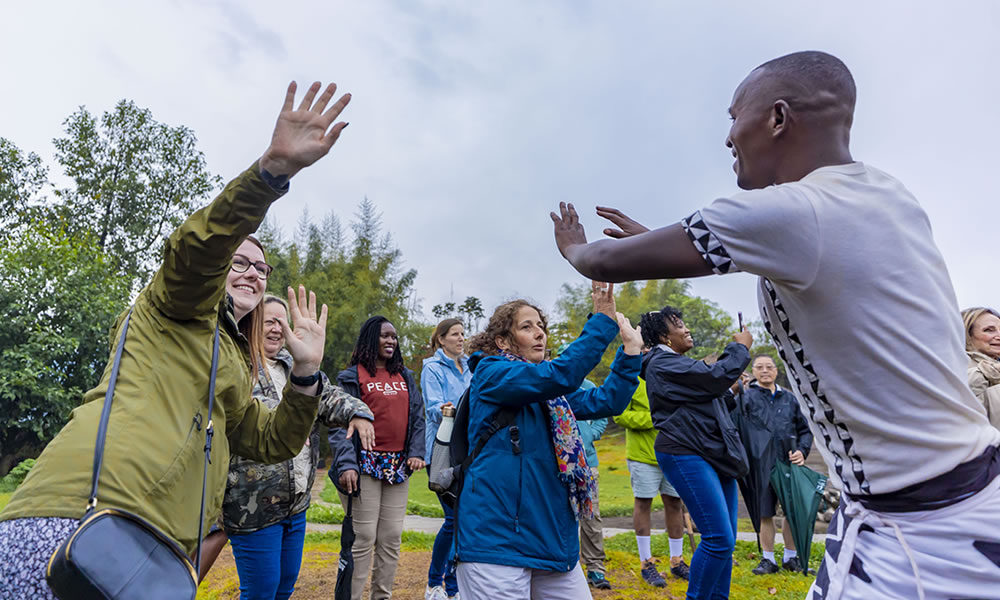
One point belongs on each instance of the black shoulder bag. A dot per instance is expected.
(116, 555)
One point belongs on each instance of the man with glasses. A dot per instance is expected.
(777, 410)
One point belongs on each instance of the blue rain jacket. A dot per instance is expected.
(514, 510)
(441, 382)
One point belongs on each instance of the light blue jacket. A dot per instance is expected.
(440, 383)
(514, 510)
(591, 431)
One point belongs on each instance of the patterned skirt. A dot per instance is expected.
(25, 548)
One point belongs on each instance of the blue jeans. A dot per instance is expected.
(268, 559)
(442, 566)
(711, 500)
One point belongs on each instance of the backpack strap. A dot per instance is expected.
(503, 417)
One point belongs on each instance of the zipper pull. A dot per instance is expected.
(197, 421)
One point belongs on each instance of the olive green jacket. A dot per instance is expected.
(154, 452)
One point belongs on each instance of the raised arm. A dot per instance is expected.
(191, 281)
(665, 253)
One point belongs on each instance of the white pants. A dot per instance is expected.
(500, 582)
(953, 552)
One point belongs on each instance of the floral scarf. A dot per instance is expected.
(571, 458)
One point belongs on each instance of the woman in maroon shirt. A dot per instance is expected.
(378, 376)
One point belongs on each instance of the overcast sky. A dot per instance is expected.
(471, 120)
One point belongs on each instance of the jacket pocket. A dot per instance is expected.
(184, 459)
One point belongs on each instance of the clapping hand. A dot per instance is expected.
(631, 336)
(303, 135)
(305, 341)
(603, 295)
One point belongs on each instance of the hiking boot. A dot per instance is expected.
(651, 576)
(765, 567)
(680, 570)
(596, 579)
(435, 593)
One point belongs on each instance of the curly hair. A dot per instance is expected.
(366, 349)
(656, 324)
(502, 325)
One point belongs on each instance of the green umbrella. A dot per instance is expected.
(799, 489)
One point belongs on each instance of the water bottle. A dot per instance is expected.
(447, 424)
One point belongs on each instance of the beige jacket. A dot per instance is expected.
(984, 379)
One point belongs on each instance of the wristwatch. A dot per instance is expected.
(304, 381)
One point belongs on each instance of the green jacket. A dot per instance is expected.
(154, 449)
(639, 431)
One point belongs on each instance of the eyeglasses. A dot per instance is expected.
(241, 264)
(766, 368)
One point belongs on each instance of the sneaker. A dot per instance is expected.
(457, 596)
(651, 576)
(765, 567)
(792, 564)
(680, 570)
(596, 579)
(435, 593)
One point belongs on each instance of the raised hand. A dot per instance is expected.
(305, 341)
(744, 337)
(604, 298)
(303, 135)
(631, 336)
(569, 232)
(626, 226)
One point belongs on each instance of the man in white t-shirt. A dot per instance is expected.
(859, 302)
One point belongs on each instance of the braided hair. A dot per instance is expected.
(366, 350)
(656, 324)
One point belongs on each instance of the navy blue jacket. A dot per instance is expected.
(684, 395)
(344, 456)
(779, 414)
(514, 510)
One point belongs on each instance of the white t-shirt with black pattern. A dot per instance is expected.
(858, 300)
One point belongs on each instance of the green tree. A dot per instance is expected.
(58, 297)
(710, 326)
(134, 181)
(356, 279)
(22, 177)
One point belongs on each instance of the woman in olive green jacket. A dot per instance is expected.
(153, 452)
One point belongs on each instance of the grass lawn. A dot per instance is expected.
(319, 568)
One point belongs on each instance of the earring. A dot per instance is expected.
(670, 344)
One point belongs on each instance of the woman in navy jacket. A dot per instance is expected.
(517, 533)
(379, 378)
(690, 403)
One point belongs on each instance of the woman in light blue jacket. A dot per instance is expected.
(443, 380)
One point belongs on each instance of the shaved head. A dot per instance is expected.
(810, 82)
(791, 115)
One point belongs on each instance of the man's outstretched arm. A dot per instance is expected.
(665, 253)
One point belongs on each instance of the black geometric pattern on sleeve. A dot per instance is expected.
(807, 381)
(708, 245)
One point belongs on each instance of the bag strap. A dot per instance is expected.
(209, 433)
(102, 427)
(500, 419)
